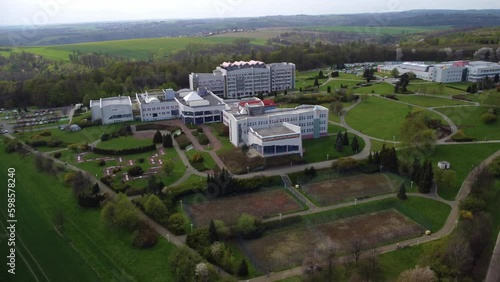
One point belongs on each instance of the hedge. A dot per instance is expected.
(130, 151)
(150, 126)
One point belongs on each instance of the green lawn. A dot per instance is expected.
(316, 150)
(379, 117)
(336, 83)
(207, 164)
(462, 159)
(124, 143)
(90, 250)
(377, 30)
(469, 120)
(429, 101)
(433, 88)
(377, 88)
(131, 48)
(377, 145)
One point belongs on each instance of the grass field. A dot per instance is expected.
(263, 204)
(380, 117)
(124, 143)
(462, 159)
(90, 250)
(377, 145)
(323, 149)
(429, 101)
(132, 48)
(433, 88)
(378, 30)
(289, 247)
(344, 189)
(469, 120)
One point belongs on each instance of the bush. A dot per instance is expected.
(37, 143)
(57, 155)
(135, 171)
(203, 139)
(199, 129)
(140, 160)
(54, 143)
(101, 162)
(45, 133)
(488, 118)
(93, 201)
(176, 223)
(130, 151)
(196, 158)
(183, 141)
(144, 238)
(135, 191)
(105, 137)
(345, 165)
(150, 126)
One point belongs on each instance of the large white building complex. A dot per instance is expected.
(271, 131)
(446, 72)
(112, 110)
(243, 79)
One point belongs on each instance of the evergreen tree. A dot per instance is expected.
(355, 146)
(376, 158)
(316, 83)
(329, 89)
(370, 158)
(321, 75)
(157, 138)
(340, 145)
(167, 141)
(212, 231)
(402, 192)
(243, 269)
(346, 139)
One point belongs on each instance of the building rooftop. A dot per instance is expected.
(242, 63)
(103, 102)
(276, 112)
(193, 99)
(274, 131)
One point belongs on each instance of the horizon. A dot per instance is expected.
(69, 12)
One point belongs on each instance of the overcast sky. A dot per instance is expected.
(37, 12)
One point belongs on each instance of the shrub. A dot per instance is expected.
(37, 143)
(196, 158)
(345, 165)
(101, 162)
(93, 201)
(488, 118)
(54, 143)
(183, 141)
(117, 169)
(150, 126)
(140, 160)
(199, 129)
(203, 139)
(105, 137)
(135, 191)
(57, 155)
(176, 224)
(144, 238)
(45, 133)
(135, 171)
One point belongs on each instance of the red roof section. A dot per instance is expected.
(268, 102)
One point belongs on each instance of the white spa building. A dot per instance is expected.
(112, 110)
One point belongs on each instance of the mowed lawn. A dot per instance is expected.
(131, 48)
(262, 204)
(89, 250)
(462, 159)
(287, 248)
(323, 149)
(380, 117)
(469, 120)
(344, 189)
(430, 101)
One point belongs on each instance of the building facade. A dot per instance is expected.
(479, 70)
(158, 105)
(252, 124)
(199, 107)
(112, 110)
(242, 79)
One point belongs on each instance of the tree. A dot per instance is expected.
(346, 139)
(329, 89)
(402, 192)
(355, 145)
(395, 73)
(167, 141)
(155, 208)
(80, 184)
(415, 132)
(157, 138)
(183, 262)
(316, 82)
(328, 250)
(320, 74)
(223, 231)
(212, 230)
(368, 74)
(445, 178)
(120, 213)
(168, 167)
(248, 226)
(418, 274)
(339, 146)
(243, 269)
(355, 247)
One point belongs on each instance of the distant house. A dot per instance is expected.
(444, 165)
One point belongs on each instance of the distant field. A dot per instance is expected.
(133, 48)
(376, 30)
(258, 37)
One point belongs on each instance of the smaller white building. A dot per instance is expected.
(112, 110)
(479, 70)
(199, 107)
(159, 105)
(444, 165)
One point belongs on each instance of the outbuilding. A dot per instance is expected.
(444, 165)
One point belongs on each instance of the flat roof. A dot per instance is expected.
(121, 100)
(273, 131)
(211, 99)
(277, 112)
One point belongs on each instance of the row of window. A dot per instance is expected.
(160, 108)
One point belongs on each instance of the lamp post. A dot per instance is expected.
(394, 141)
(248, 169)
(327, 157)
(280, 216)
(168, 238)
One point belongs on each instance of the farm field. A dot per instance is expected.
(345, 189)
(289, 247)
(429, 101)
(89, 249)
(462, 159)
(380, 117)
(323, 149)
(132, 48)
(469, 120)
(261, 204)
(377, 30)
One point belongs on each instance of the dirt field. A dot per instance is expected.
(289, 248)
(261, 204)
(344, 189)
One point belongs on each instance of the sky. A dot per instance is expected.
(41, 12)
